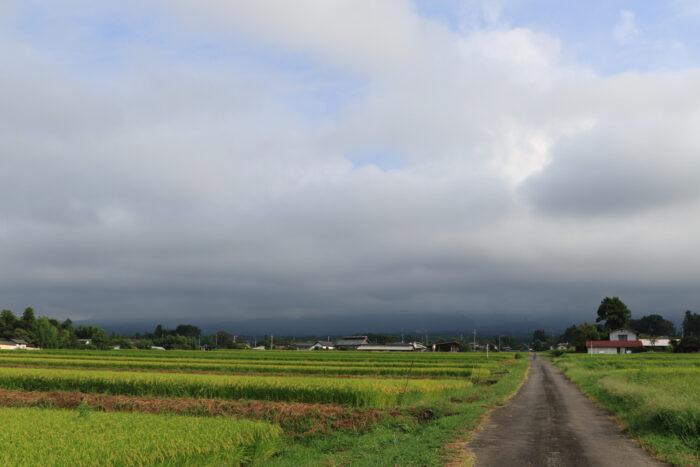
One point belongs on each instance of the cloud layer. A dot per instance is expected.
(262, 161)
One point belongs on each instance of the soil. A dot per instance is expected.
(294, 417)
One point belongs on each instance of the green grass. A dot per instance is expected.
(86, 438)
(657, 396)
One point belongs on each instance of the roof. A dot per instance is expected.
(326, 343)
(19, 341)
(601, 344)
(5, 342)
(394, 347)
(353, 340)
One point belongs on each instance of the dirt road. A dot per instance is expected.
(549, 422)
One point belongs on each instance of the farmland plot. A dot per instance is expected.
(246, 408)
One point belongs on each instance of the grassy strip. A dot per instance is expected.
(86, 438)
(358, 392)
(282, 355)
(420, 441)
(228, 367)
(660, 406)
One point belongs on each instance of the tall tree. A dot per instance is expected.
(691, 324)
(8, 322)
(654, 325)
(614, 312)
(46, 334)
(28, 319)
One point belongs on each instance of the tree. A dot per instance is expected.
(46, 334)
(539, 340)
(8, 322)
(188, 330)
(687, 344)
(28, 319)
(654, 325)
(691, 324)
(614, 312)
(583, 333)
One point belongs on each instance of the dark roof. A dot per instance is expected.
(451, 343)
(353, 340)
(605, 344)
(20, 341)
(326, 343)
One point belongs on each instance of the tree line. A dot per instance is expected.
(49, 333)
(614, 314)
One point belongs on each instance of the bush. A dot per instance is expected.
(518, 355)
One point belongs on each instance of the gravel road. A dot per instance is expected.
(549, 422)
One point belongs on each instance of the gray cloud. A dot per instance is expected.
(168, 188)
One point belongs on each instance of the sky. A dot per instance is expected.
(349, 165)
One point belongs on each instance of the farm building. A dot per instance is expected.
(351, 342)
(323, 345)
(410, 347)
(447, 347)
(304, 346)
(621, 341)
(656, 343)
(12, 344)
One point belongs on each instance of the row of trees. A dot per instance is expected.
(49, 333)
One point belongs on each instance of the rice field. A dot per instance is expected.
(656, 395)
(243, 407)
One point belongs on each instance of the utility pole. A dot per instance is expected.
(499, 343)
(474, 340)
(272, 342)
(216, 340)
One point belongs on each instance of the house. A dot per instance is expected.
(10, 345)
(323, 345)
(447, 347)
(157, 347)
(410, 347)
(351, 342)
(84, 341)
(305, 346)
(259, 347)
(560, 346)
(620, 341)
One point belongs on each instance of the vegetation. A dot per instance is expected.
(655, 395)
(33, 436)
(351, 391)
(614, 312)
(401, 418)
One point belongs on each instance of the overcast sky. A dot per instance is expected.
(349, 164)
